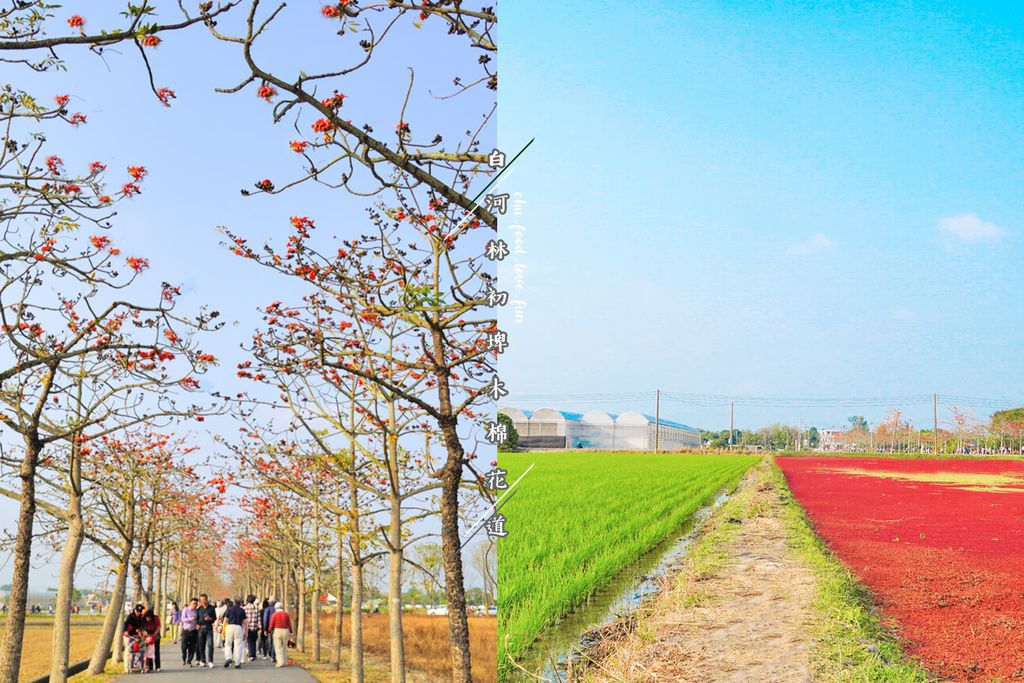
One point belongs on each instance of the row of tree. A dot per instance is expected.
(960, 432)
(358, 386)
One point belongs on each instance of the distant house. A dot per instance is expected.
(832, 439)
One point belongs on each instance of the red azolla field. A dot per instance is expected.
(940, 543)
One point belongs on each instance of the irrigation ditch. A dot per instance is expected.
(565, 643)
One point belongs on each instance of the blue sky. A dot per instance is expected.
(767, 199)
(206, 146)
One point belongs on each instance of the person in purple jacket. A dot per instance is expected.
(189, 632)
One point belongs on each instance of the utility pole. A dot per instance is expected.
(800, 437)
(657, 418)
(732, 429)
(935, 424)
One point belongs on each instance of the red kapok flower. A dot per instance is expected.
(97, 167)
(76, 21)
(298, 146)
(334, 101)
(165, 95)
(266, 92)
(330, 11)
(137, 264)
(61, 100)
(150, 41)
(130, 189)
(77, 118)
(100, 241)
(105, 198)
(322, 125)
(265, 185)
(137, 172)
(54, 162)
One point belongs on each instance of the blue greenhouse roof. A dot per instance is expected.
(670, 423)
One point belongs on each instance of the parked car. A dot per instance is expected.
(437, 610)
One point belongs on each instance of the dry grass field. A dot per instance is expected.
(426, 642)
(35, 657)
(426, 645)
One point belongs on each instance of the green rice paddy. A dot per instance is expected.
(578, 518)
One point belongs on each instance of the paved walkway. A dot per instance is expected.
(260, 671)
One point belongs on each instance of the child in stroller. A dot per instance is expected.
(142, 653)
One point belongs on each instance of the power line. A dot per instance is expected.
(723, 400)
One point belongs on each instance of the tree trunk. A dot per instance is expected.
(451, 544)
(395, 593)
(10, 648)
(152, 600)
(315, 604)
(300, 593)
(112, 622)
(285, 594)
(451, 550)
(356, 619)
(65, 586)
(339, 612)
(137, 580)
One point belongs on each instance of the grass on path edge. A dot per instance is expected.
(851, 643)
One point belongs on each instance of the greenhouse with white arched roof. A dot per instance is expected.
(597, 429)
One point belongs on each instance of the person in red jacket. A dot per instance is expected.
(281, 628)
(151, 622)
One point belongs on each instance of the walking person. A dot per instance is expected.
(151, 624)
(206, 615)
(132, 626)
(218, 626)
(234, 618)
(268, 635)
(264, 642)
(175, 622)
(189, 632)
(252, 625)
(281, 627)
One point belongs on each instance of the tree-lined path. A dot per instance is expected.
(260, 671)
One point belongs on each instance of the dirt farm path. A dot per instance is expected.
(741, 616)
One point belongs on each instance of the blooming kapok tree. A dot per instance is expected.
(43, 205)
(437, 186)
(402, 310)
(145, 493)
(392, 153)
(380, 479)
(329, 428)
(324, 403)
(132, 357)
(97, 395)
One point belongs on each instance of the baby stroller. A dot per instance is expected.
(137, 662)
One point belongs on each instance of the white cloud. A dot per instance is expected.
(968, 227)
(815, 243)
